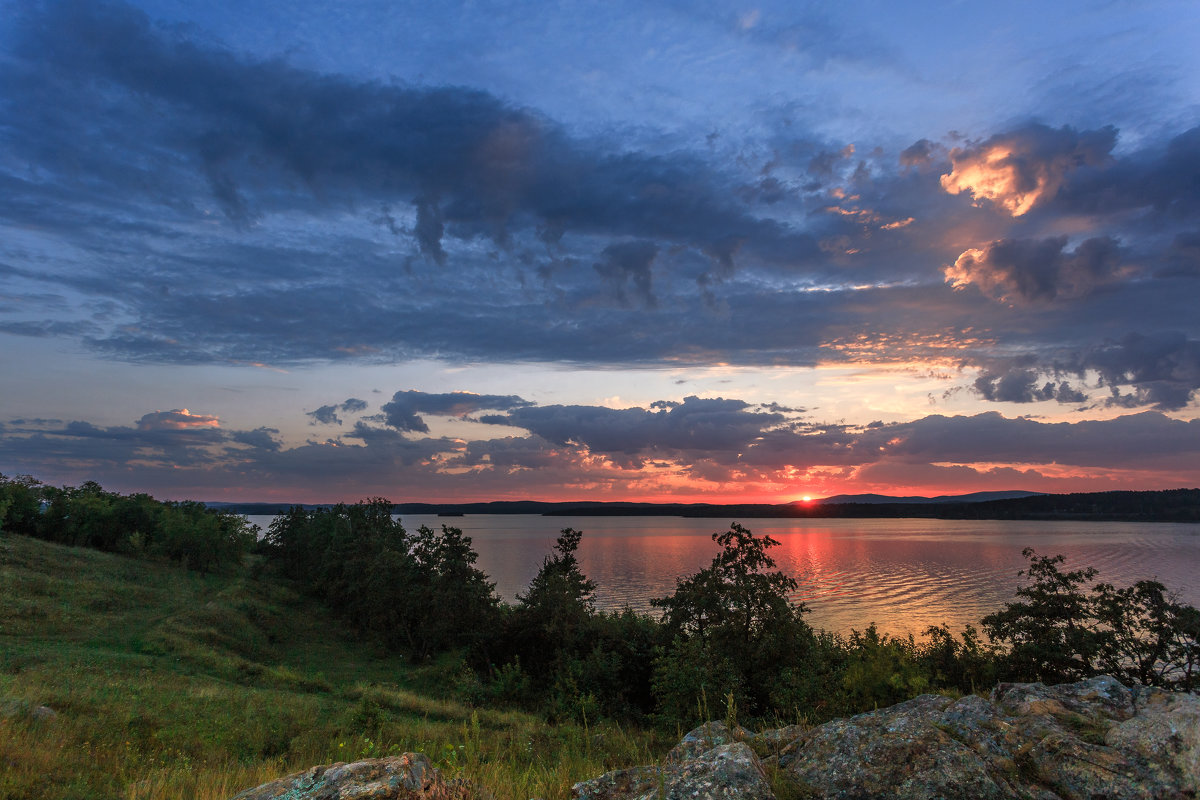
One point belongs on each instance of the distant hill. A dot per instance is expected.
(973, 497)
(1172, 505)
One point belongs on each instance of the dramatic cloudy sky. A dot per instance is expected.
(619, 250)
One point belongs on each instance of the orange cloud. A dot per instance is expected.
(1019, 170)
(992, 175)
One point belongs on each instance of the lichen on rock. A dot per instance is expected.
(1082, 741)
(724, 772)
(410, 776)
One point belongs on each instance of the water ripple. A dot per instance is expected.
(904, 575)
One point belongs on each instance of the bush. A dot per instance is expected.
(1060, 633)
(20, 504)
(731, 623)
(88, 516)
(421, 593)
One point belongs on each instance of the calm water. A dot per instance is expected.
(902, 574)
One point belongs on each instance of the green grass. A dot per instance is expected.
(167, 684)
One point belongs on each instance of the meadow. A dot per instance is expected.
(166, 683)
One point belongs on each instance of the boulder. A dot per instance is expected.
(1101, 697)
(724, 772)
(43, 713)
(1091, 740)
(21, 708)
(906, 751)
(405, 777)
(703, 739)
(1165, 731)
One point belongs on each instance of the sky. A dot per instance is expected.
(672, 251)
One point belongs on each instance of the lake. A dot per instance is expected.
(902, 574)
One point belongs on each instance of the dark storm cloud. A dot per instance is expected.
(1163, 369)
(127, 143)
(1145, 440)
(695, 424)
(325, 415)
(627, 263)
(328, 415)
(513, 453)
(1160, 370)
(403, 411)
(918, 154)
(259, 438)
(47, 449)
(1027, 271)
(1018, 385)
(728, 434)
(1164, 179)
(174, 114)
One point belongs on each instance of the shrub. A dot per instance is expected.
(1059, 633)
(732, 623)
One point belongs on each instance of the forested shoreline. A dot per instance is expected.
(1168, 505)
(727, 637)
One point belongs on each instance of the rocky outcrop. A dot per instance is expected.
(706, 764)
(1092, 740)
(1083, 741)
(405, 777)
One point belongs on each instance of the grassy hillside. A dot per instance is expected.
(166, 684)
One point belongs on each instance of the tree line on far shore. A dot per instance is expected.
(187, 533)
(727, 638)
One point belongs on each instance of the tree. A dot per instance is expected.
(450, 601)
(732, 628)
(1058, 633)
(20, 504)
(1145, 636)
(551, 622)
(1049, 634)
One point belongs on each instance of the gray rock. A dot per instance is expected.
(1165, 732)
(727, 771)
(724, 772)
(20, 708)
(1077, 770)
(1102, 696)
(703, 739)
(43, 713)
(903, 752)
(1091, 740)
(1087, 740)
(410, 776)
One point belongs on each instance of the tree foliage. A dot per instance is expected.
(421, 592)
(732, 629)
(188, 533)
(1060, 632)
(583, 661)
